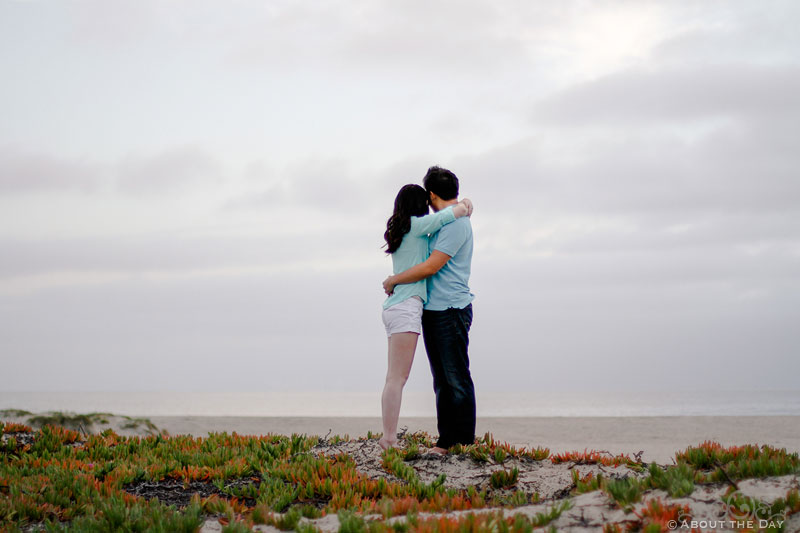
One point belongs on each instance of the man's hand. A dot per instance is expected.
(388, 285)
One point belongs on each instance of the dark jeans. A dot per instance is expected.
(446, 335)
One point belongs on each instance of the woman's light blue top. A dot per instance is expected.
(414, 250)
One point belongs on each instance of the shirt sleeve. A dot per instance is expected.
(452, 238)
(431, 223)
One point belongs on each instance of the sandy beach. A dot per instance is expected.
(658, 437)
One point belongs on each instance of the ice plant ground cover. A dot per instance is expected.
(57, 479)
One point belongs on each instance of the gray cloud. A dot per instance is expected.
(731, 33)
(682, 95)
(330, 185)
(322, 183)
(35, 171)
(176, 253)
(172, 169)
(715, 333)
(96, 22)
(712, 234)
(378, 40)
(228, 333)
(453, 39)
(727, 171)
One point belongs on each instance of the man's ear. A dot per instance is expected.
(433, 197)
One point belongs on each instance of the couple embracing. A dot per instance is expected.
(429, 294)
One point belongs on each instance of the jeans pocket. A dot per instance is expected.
(466, 316)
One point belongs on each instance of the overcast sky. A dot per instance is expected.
(193, 193)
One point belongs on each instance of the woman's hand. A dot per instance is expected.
(463, 208)
(468, 204)
(388, 285)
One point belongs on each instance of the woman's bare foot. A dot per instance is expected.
(438, 451)
(386, 443)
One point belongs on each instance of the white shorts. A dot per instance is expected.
(405, 317)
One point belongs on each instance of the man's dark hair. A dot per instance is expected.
(441, 182)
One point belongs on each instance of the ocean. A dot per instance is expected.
(415, 403)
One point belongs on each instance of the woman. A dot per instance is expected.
(406, 237)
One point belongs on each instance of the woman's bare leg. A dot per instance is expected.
(401, 354)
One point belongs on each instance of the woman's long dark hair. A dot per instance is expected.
(411, 201)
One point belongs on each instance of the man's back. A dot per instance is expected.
(449, 287)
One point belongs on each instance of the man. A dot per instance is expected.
(447, 315)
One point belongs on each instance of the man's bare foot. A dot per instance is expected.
(386, 443)
(438, 451)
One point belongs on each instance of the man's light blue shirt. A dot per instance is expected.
(413, 250)
(450, 286)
